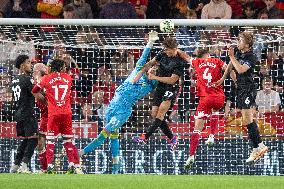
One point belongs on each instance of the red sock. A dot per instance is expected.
(69, 151)
(194, 142)
(76, 155)
(42, 160)
(49, 152)
(214, 122)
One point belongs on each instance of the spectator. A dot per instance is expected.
(7, 108)
(22, 9)
(118, 9)
(273, 11)
(94, 4)
(158, 9)
(237, 8)
(179, 9)
(6, 46)
(277, 73)
(82, 10)
(94, 7)
(102, 93)
(2, 15)
(50, 8)
(197, 6)
(188, 36)
(267, 100)
(217, 9)
(4, 6)
(102, 3)
(122, 63)
(140, 7)
(249, 11)
(23, 45)
(68, 12)
(263, 14)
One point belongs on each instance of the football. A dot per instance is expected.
(167, 26)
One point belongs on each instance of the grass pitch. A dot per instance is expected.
(33, 181)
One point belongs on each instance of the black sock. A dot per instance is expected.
(30, 148)
(166, 130)
(254, 135)
(20, 152)
(153, 128)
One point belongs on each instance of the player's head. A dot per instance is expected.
(57, 65)
(245, 41)
(23, 63)
(170, 46)
(39, 70)
(203, 53)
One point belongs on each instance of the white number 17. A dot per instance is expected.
(56, 88)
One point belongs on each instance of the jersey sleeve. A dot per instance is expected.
(179, 70)
(250, 60)
(143, 59)
(159, 56)
(39, 85)
(193, 63)
(221, 63)
(28, 83)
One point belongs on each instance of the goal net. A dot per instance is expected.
(107, 50)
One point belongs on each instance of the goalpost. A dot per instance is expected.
(96, 47)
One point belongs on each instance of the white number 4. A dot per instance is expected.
(56, 88)
(207, 75)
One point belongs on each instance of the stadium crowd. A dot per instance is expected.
(143, 9)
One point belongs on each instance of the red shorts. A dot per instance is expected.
(207, 104)
(60, 124)
(43, 126)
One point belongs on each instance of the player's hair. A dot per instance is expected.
(41, 68)
(201, 52)
(170, 43)
(20, 60)
(56, 65)
(248, 37)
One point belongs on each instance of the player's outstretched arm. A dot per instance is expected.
(184, 55)
(168, 80)
(144, 69)
(36, 91)
(153, 36)
(228, 70)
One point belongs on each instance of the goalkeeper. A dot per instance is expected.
(120, 107)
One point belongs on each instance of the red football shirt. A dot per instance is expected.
(208, 71)
(57, 89)
(43, 109)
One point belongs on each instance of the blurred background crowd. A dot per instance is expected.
(143, 9)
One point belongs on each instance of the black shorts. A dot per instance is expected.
(164, 93)
(27, 127)
(245, 97)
